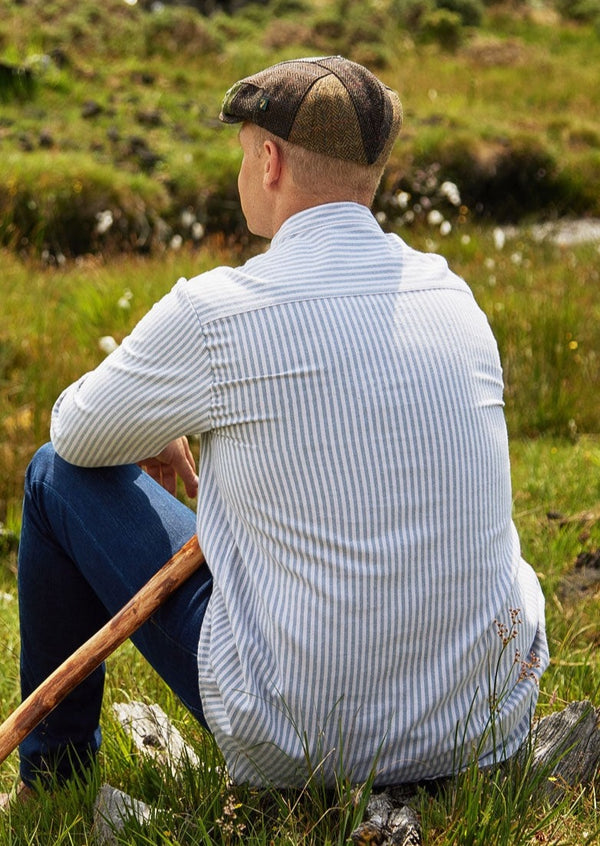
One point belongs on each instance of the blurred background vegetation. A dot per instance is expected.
(109, 137)
(116, 176)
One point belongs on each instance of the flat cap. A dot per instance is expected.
(328, 104)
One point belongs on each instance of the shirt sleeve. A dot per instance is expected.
(154, 388)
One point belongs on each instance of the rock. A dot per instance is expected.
(588, 517)
(138, 149)
(154, 735)
(150, 117)
(566, 749)
(148, 160)
(144, 77)
(583, 578)
(46, 139)
(90, 109)
(388, 822)
(112, 810)
(26, 142)
(60, 57)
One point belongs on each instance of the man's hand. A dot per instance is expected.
(176, 459)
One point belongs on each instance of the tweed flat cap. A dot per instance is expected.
(329, 105)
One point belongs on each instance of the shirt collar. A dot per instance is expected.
(329, 214)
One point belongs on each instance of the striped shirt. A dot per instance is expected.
(371, 612)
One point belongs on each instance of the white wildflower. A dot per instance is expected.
(197, 231)
(104, 220)
(124, 301)
(176, 242)
(402, 199)
(450, 191)
(490, 263)
(107, 344)
(445, 227)
(381, 217)
(516, 257)
(188, 218)
(435, 217)
(499, 238)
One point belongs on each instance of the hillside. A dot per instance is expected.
(109, 135)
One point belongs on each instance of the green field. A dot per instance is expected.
(508, 111)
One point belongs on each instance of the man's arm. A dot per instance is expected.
(140, 401)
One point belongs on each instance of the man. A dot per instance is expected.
(364, 585)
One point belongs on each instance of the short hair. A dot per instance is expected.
(324, 176)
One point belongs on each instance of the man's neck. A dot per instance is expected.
(303, 202)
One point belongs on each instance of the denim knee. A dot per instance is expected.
(40, 464)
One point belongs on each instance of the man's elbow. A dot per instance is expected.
(69, 448)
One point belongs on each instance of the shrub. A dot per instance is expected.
(444, 27)
(413, 14)
(67, 204)
(508, 178)
(205, 7)
(469, 11)
(15, 82)
(410, 13)
(214, 203)
(178, 31)
(354, 29)
(584, 11)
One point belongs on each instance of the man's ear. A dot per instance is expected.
(272, 163)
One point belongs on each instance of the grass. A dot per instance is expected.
(555, 472)
(540, 299)
(198, 806)
(466, 111)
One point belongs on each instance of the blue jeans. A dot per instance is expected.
(90, 539)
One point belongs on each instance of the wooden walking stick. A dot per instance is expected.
(94, 651)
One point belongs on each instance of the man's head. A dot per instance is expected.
(328, 105)
(329, 122)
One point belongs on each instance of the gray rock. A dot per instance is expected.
(112, 810)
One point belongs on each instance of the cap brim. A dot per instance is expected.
(229, 118)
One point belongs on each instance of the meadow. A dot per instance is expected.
(541, 301)
(535, 107)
